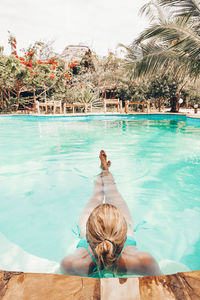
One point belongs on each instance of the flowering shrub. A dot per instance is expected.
(28, 71)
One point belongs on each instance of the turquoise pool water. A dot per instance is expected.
(48, 165)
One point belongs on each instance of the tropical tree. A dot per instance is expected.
(28, 72)
(171, 44)
(12, 79)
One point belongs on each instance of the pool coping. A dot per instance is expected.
(188, 115)
(23, 286)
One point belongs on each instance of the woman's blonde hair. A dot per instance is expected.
(106, 232)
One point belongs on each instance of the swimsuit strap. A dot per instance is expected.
(92, 257)
(83, 243)
(130, 241)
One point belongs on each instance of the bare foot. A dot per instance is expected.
(104, 163)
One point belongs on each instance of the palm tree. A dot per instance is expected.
(171, 44)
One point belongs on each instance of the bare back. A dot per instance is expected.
(131, 261)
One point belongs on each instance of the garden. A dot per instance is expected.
(161, 66)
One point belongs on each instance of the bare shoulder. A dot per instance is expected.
(77, 263)
(141, 263)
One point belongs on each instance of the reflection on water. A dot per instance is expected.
(48, 167)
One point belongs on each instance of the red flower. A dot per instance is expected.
(54, 67)
(51, 61)
(31, 53)
(32, 72)
(39, 62)
(21, 58)
(52, 76)
(15, 52)
(71, 65)
(67, 76)
(28, 63)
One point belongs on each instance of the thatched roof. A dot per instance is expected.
(74, 52)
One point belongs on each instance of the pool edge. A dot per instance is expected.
(23, 286)
(188, 115)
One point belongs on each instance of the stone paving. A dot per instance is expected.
(33, 286)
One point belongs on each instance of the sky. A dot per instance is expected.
(99, 24)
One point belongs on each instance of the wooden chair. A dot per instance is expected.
(51, 105)
(127, 103)
(86, 106)
(41, 105)
(115, 102)
(57, 104)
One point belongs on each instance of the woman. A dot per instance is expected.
(107, 242)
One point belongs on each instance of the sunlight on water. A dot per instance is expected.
(47, 170)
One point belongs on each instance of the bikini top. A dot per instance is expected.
(130, 241)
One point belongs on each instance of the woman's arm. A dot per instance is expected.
(140, 263)
(75, 264)
(66, 265)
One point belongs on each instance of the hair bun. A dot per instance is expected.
(105, 253)
(106, 231)
(108, 241)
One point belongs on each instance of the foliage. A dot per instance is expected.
(156, 51)
(172, 41)
(88, 95)
(27, 72)
(170, 45)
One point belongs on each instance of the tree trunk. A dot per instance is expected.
(34, 101)
(18, 97)
(6, 102)
(159, 103)
(174, 104)
(187, 102)
(1, 102)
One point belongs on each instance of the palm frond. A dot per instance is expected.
(183, 7)
(168, 45)
(154, 12)
(180, 34)
(156, 58)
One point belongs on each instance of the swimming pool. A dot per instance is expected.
(47, 169)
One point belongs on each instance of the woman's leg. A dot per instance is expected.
(112, 195)
(96, 199)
